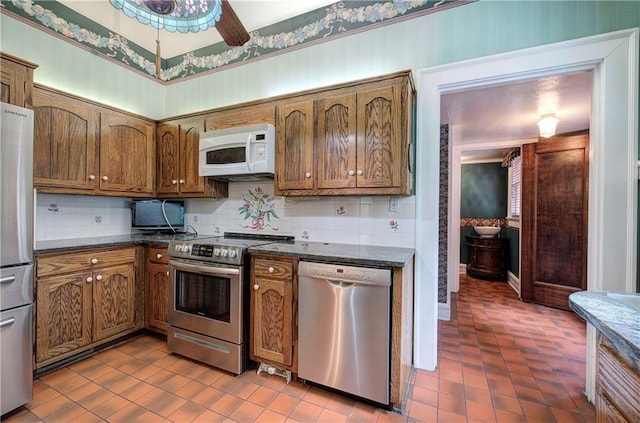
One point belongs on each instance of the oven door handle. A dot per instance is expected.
(207, 270)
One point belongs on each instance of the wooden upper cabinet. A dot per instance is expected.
(65, 142)
(359, 143)
(127, 153)
(336, 141)
(379, 138)
(294, 146)
(16, 78)
(178, 163)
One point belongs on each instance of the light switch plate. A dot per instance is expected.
(394, 204)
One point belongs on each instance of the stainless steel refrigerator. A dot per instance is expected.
(16, 256)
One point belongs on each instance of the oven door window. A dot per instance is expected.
(203, 295)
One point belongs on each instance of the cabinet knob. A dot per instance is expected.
(307, 175)
(360, 172)
(182, 181)
(92, 177)
(173, 182)
(351, 173)
(94, 261)
(271, 269)
(159, 256)
(105, 178)
(99, 277)
(89, 279)
(167, 273)
(256, 287)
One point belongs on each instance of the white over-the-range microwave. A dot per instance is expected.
(241, 153)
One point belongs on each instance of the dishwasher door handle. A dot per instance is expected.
(340, 284)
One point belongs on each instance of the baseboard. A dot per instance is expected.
(444, 311)
(514, 282)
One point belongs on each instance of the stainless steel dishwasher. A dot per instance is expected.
(344, 327)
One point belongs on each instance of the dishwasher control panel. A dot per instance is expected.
(345, 273)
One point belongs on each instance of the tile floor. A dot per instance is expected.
(500, 360)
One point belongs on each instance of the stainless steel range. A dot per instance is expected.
(209, 298)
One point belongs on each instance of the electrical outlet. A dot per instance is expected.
(195, 218)
(394, 204)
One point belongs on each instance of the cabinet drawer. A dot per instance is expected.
(77, 261)
(273, 269)
(158, 255)
(619, 384)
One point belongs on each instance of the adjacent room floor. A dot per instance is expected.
(500, 360)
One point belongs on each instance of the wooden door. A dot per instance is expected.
(158, 297)
(65, 142)
(336, 141)
(113, 300)
(63, 314)
(555, 176)
(379, 137)
(190, 180)
(167, 159)
(294, 146)
(272, 308)
(126, 154)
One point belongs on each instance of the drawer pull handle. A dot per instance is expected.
(159, 256)
(271, 269)
(94, 261)
(256, 287)
(89, 279)
(99, 277)
(7, 322)
(8, 279)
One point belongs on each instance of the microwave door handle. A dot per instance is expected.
(248, 152)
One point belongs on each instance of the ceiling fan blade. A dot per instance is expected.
(230, 28)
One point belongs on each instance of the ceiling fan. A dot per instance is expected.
(229, 26)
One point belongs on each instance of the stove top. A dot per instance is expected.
(229, 249)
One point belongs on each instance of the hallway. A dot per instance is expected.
(500, 360)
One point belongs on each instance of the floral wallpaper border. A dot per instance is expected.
(317, 26)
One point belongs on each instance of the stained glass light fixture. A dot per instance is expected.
(173, 15)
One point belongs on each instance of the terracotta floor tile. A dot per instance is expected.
(317, 396)
(51, 407)
(87, 417)
(21, 415)
(246, 412)
(305, 412)
(340, 404)
(226, 404)
(42, 397)
(151, 417)
(207, 397)
(483, 412)
(445, 416)
(244, 390)
(534, 410)
(425, 396)
(452, 403)
(136, 391)
(423, 412)
(504, 402)
(263, 396)
(67, 414)
(83, 391)
(284, 404)
(209, 416)
(187, 412)
(110, 407)
(93, 400)
(128, 413)
(161, 402)
(269, 416)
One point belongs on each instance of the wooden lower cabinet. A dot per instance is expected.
(157, 289)
(487, 257)
(617, 386)
(273, 311)
(83, 299)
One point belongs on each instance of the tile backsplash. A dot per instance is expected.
(251, 207)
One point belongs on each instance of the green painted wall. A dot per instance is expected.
(483, 190)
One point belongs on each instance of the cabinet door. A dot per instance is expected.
(158, 297)
(63, 314)
(272, 307)
(65, 139)
(336, 142)
(16, 80)
(379, 137)
(190, 180)
(294, 146)
(167, 158)
(113, 300)
(126, 154)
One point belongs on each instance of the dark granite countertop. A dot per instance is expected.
(361, 255)
(61, 245)
(616, 315)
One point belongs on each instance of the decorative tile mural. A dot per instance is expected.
(258, 210)
(317, 26)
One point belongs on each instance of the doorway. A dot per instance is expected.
(612, 213)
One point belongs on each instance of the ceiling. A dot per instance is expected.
(254, 14)
(503, 113)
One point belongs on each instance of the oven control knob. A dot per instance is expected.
(225, 252)
(233, 253)
(186, 248)
(178, 247)
(216, 252)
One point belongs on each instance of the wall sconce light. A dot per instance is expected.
(547, 125)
